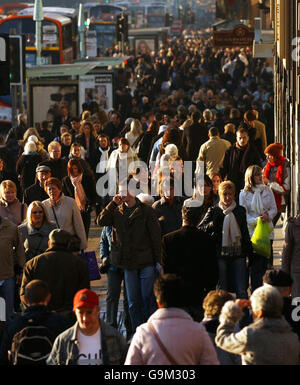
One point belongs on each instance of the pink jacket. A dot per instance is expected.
(187, 341)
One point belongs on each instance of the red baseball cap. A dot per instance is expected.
(85, 298)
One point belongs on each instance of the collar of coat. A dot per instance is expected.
(44, 230)
(137, 209)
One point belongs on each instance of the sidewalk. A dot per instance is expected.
(278, 244)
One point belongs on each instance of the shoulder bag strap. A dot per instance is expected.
(161, 345)
(55, 217)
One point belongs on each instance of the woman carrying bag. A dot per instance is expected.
(259, 202)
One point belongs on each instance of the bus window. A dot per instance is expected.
(105, 35)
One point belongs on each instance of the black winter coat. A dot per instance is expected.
(212, 224)
(34, 193)
(190, 253)
(193, 137)
(235, 164)
(26, 167)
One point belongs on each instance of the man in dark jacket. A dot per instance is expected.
(283, 283)
(57, 164)
(64, 272)
(36, 191)
(194, 136)
(237, 159)
(37, 296)
(182, 255)
(135, 247)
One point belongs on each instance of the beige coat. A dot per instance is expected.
(68, 217)
(212, 153)
(10, 238)
(12, 211)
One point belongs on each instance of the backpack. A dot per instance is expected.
(31, 345)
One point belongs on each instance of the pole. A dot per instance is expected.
(38, 17)
(81, 30)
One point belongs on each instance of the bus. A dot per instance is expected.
(13, 8)
(156, 15)
(72, 13)
(57, 47)
(102, 19)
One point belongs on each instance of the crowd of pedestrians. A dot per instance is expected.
(195, 139)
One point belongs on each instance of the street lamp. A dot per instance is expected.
(38, 17)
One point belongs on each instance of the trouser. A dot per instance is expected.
(114, 282)
(141, 300)
(86, 219)
(233, 275)
(7, 291)
(258, 268)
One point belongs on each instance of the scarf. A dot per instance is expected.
(231, 233)
(279, 163)
(80, 196)
(256, 204)
(101, 166)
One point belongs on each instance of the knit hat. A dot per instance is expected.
(29, 147)
(277, 278)
(274, 149)
(33, 138)
(171, 150)
(85, 298)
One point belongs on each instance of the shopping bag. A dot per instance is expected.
(261, 239)
(91, 260)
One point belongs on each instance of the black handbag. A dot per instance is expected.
(104, 265)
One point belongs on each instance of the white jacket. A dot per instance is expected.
(269, 206)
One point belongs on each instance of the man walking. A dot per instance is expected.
(90, 341)
(135, 247)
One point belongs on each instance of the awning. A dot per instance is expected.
(76, 69)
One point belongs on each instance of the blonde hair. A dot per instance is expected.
(90, 124)
(30, 208)
(208, 115)
(7, 185)
(187, 123)
(227, 185)
(229, 128)
(249, 176)
(136, 128)
(53, 143)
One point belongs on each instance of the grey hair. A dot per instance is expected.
(267, 299)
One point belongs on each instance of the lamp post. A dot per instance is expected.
(81, 30)
(38, 17)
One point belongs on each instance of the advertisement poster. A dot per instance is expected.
(47, 100)
(144, 46)
(97, 88)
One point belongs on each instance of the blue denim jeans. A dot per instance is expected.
(7, 291)
(141, 300)
(233, 275)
